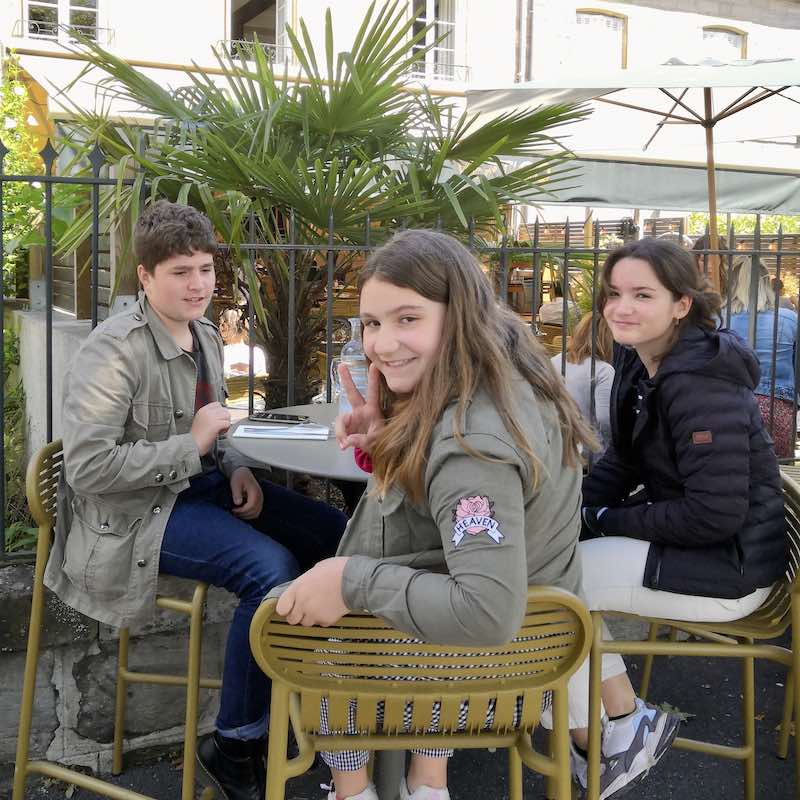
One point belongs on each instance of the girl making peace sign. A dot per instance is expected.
(464, 417)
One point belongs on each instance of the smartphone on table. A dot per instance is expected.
(278, 418)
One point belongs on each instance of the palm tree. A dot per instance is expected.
(348, 140)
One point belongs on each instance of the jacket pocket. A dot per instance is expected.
(153, 420)
(98, 554)
(396, 532)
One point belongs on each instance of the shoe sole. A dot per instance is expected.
(208, 780)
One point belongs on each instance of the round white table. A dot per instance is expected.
(322, 458)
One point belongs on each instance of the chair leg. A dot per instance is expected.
(514, 774)
(796, 688)
(278, 738)
(749, 724)
(121, 700)
(559, 743)
(647, 670)
(31, 663)
(786, 718)
(549, 781)
(193, 690)
(595, 717)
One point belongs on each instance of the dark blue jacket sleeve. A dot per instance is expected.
(710, 431)
(611, 480)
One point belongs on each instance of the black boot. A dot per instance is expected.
(228, 765)
(258, 753)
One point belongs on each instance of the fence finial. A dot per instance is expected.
(49, 155)
(96, 158)
(3, 151)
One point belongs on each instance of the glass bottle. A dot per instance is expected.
(353, 356)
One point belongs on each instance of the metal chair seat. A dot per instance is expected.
(364, 661)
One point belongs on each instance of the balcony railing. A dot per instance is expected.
(430, 70)
(433, 71)
(244, 48)
(31, 29)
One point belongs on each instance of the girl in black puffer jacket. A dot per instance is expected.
(704, 539)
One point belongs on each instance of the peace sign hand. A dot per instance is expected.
(361, 426)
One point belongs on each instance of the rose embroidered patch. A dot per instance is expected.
(474, 515)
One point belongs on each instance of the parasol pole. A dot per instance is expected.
(713, 243)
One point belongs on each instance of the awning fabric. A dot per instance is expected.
(674, 75)
(681, 187)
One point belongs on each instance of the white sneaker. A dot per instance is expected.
(368, 794)
(422, 792)
(579, 766)
(632, 745)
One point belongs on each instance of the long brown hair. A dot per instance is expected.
(676, 271)
(580, 345)
(483, 346)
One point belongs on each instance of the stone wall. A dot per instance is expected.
(75, 687)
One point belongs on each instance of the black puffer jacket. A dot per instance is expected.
(693, 435)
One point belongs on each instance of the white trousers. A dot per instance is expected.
(613, 570)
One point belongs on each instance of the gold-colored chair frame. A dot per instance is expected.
(741, 639)
(341, 663)
(41, 488)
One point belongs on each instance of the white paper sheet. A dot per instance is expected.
(309, 430)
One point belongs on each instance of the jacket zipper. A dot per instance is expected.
(657, 575)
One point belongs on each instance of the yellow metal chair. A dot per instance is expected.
(42, 482)
(346, 662)
(744, 638)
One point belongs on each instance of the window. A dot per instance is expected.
(283, 17)
(52, 19)
(602, 33)
(524, 54)
(724, 44)
(439, 62)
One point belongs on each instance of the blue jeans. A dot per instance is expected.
(204, 541)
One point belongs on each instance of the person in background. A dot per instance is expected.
(552, 313)
(577, 372)
(237, 350)
(783, 300)
(779, 417)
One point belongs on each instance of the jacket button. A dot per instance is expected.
(178, 413)
(159, 477)
(142, 562)
(103, 526)
(156, 509)
(172, 474)
(137, 317)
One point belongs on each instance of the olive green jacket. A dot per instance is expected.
(454, 569)
(128, 408)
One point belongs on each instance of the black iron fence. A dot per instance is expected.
(525, 273)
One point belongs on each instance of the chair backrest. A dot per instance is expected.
(362, 658)
(791, 503)
(41, 483)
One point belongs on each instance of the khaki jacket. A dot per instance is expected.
(128, 451)
(455, 568)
